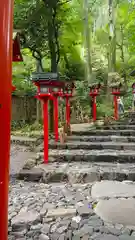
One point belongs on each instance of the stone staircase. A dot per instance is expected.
(66, 199)
(87, 156)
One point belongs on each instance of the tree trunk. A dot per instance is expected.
(112, 37)
(87, 35)
(122, 55)
(53, 64)
(39, 68)
(111, 51)
(114, 51)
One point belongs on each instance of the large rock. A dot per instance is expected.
(61, 212)
(25, 218)
(120, 211)
(112, 189)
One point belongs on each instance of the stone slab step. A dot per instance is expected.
(95, 138)
(78, 173)
(92, 145)
(127, 132)
(26, 141)
(112, 189)
(119, 127)
(89, 156)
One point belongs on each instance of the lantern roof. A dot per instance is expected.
(116, 85)
(42, 76)
(95, 85)
(17, 56)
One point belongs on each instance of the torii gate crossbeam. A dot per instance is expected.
(6, 22)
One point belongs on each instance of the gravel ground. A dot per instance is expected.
(58, 211)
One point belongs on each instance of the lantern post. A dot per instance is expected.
(48, 89)
(116, 94)
(94, 92)
(67, 94)
(43, 82)
(6, 22)
(56, 93)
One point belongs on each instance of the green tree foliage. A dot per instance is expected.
(58, 37)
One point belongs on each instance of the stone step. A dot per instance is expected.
(92, 145)
(89, 156)
(125, 122)
(25, 141)
(78, 173)
(101, 138)
(119, 127)
(103, 132)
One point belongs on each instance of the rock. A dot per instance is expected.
(54, 227)
(61, 229)
(62, 237)
(32, 175)
(45, 207)
(114, 231)
(54, 236)
(83, 231)
(65, 222)
(126, 231)
(36, 227)
(30, 164)
(125, 237)
(120, 211)
(85, 210)
(69, 235)
(43, 237)
(48, 220)
(59, 212)
(76, 238)
(74, 225)
(46, 228)
(95, 222)
(112, 189)
(18, 227)
(85, 237)
(19, 234)
(30, 217)
(106, 237)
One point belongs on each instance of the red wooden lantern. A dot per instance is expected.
(48, 88)
(94, 92)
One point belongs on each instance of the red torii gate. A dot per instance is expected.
(6, 57)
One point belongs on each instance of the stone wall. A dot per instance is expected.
(23, 108)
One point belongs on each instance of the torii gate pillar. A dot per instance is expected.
(6, 22)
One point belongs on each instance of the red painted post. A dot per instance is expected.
(56, 118)
(6, 19)
(67, 110)
(115, 107)
(46, 134)
(94, 109)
